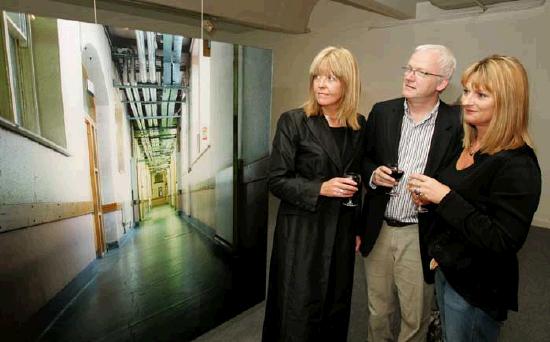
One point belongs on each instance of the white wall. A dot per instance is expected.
(214, 107)
(200, 98)
(41, 260)
(124, 176)
(34, 173)
(115, 181)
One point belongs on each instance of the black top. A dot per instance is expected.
(339, 134)
(482, 223)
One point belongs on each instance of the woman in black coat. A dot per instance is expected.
(485, 200)
(311, 274)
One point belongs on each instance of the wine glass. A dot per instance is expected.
(419, 208)
(396, 174)
(353, 201)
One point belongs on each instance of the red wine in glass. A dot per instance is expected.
(396, 174)
(354, 200)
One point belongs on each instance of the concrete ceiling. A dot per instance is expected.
(397, 9)
(291, 16)
(275, 15)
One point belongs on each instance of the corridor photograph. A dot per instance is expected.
(135, 144)
(134, 194)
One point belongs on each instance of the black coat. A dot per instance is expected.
(383, 132)
(482, 223)
(311, 273)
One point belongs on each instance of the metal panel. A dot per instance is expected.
(256, 103)
(224, 204)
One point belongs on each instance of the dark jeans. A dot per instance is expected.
(461, 321)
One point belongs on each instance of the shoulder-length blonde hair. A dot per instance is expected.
(506, 80)
(342, 64)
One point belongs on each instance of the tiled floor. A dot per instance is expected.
(166, 282)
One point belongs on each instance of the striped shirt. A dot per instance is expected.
(414, 146)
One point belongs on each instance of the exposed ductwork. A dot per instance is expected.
(144, 82)
(176, 72)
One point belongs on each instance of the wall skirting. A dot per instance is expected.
(110, 207)
(24, 215)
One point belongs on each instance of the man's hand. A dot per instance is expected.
(382, 177)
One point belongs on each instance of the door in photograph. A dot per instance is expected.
(96, 197)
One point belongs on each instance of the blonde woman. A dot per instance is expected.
(485, 201)
(312, 262)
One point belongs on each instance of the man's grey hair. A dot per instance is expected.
(447, 61)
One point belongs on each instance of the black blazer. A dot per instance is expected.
(482, 223)
(383, 132)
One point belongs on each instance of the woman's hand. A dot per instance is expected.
(417, 199)
(338, 187)
(426, 189)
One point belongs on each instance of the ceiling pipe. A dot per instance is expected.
(167, 73)
(152, 75)
(148, 105)
(153, 96)
(151, 49)
(140, 42)
(128, 91)
(176, 72)
(153, 92)
(168, 40)
(143, 74)
(135, 91)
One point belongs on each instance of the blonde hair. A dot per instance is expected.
(506, 80)
(342, 64)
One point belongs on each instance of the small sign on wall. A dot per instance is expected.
(204, 133)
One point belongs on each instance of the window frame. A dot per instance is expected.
(14, 122)
(13, 32)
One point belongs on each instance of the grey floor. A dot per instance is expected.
(531, 323)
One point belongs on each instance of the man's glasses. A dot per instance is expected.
(424, 74)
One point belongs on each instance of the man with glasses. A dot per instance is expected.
(417, 133)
